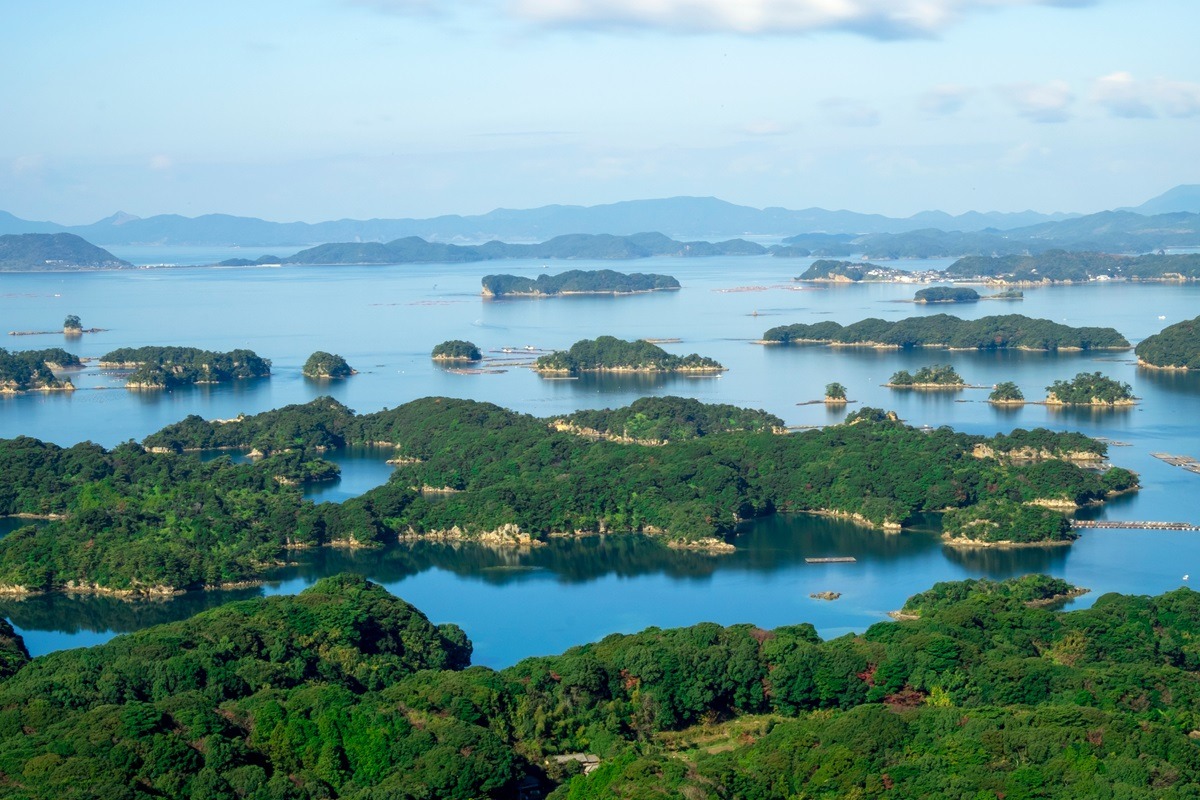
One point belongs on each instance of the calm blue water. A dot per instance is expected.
(385, 320)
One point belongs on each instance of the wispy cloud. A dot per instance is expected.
(880, 19)
(850, 113)
(944, 100)
(1125, 96)
(1041, 102)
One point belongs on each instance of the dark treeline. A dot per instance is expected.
(1060, 265)
(611, 353)
(946, 294)
(1089, 389)
(166, 367)
(943, 330)
(1175, 346)
(326, 365)
(577, 281)
(344, 691)
(139, 519)
(933, 375)
(22, 370)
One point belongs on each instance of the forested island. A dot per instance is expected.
(610, 354)
(347, 691)
(30, 370)
(150, 519)
(414, 250)
(168, 367)
(1089, 389)
(326, 366)
(1061, 266)
(937, 376)
(946, 294)
(1006, 393)
(456, 350)
(37, 252)
(575, 281)
(829, 271)
(1174, 347)
(942, 330)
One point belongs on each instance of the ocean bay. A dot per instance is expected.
(384, 320)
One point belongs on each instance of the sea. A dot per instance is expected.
(517, 603)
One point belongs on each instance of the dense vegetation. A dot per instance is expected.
(23, 370)
(456, 350)
(139, 519)
(326, 365)
(346, 692)
(72, 324)
(1006, 392)
(848, 271)
(1174, 347)
(946, 294)
(1004, 521)
(1089, 389)
(670, 419)
(54, 251)
(835, 391)
(610, 353)
(1056, 266)
(167, 367)
(943, 330)
(1044, 443)
(933, 375)
(577, 281)
(413, 250)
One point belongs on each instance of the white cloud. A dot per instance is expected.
(28, 164)
(1041, 102)
(945, 99)
(161, 162)
(850, 113)
(1125, 96)
(881, 19)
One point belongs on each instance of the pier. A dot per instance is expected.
(1133, 525)
(831, 560)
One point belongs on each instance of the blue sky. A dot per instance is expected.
(323, 109)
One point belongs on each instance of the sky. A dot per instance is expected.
(328, 109)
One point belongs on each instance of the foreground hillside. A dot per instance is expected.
(345, 691)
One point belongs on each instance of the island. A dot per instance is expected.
(575, 281)
(326, 366)
(937, 376)
(942, 330)
(168, 367)
(1007, 393)
(500, 477)
(830, 271)
(946, 294)
(1090, 389)
(345, 690)
(456, 350)
(998, 523)
(835, 394)
(1174, 347)
(610, 354)
(1007, 294)
(51, 252)
(72, 325)
(32, 370)
(1061, 266)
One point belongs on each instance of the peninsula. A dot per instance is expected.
(169, 367)
(830, 271)
(48, 252)
(601, 281)
(610, 354)
(1174, 347)
(176, 522)
(942, 330)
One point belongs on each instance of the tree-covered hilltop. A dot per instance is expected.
(26, 252)
(1006, 522)
(828, 271)
(1006, 392)
(943, 330)
(72, 325)
(935, 375)
(1090, 389)
(1174, 347)
(322, 365)
(1042, 443)
(576, 281)
(166, 367)
(835, 393)
(13, 654)
(667, 419)
(608, 353)
(456, 350)
(946, 294)
(344, 691)
(1060, 266)
(414, 250)
(25, 370)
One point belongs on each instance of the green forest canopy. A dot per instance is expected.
(611, 353)
(180, 366)
(1175, 346)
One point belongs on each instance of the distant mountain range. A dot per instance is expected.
(678, 217)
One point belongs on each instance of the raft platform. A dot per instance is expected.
(1132, 525)
(1187, 462)
(831, 560)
